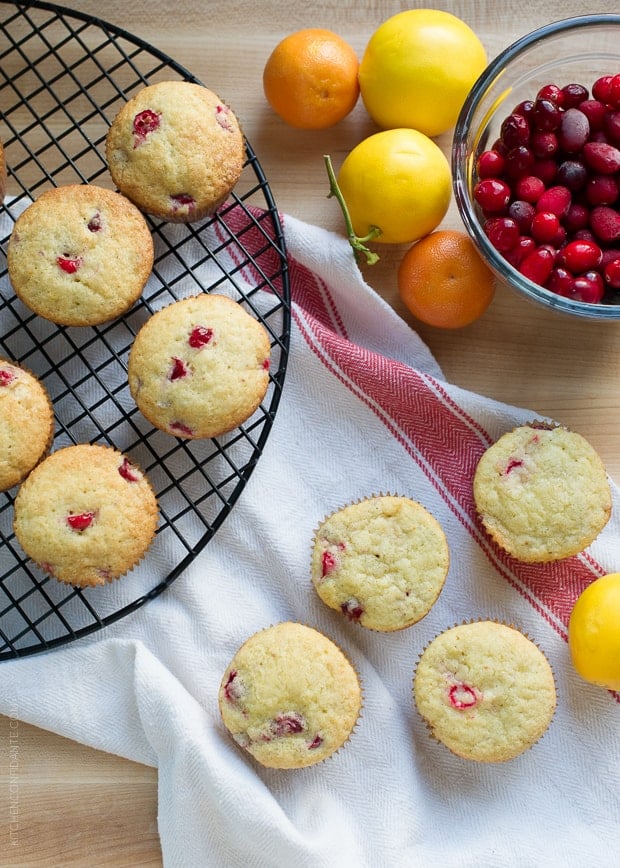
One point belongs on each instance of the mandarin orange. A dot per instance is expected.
(310, 79)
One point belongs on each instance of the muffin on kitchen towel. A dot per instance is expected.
(26, 423)
(289, 696)
(364, 408)
(381, 561)
(176, 150)
(80, 255)
(485, 690)
(542, 492)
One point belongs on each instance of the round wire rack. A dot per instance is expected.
(63, 78)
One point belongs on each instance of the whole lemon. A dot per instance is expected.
(418, 68)
(594, 632)
(396, 180)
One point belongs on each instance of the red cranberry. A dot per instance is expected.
(530, 188)
(588, 287)
(544, 144)
(611, 126)
(560, 281)
(556, 200)
(573, 95)
(577, 217)
(611, 274)
(574, 131)
(538, 264)
(522, 213)
(519, 161)
(603, 158)
(492, 195)
(80, 521)
(545, 226)
(144, 122)
(580, 256)
(546, 115)
(546, 170)
(490, 164)
(199, 337)
(515, 131)
(601, 190)
(69, 264)
(605, 223)
(128, 471)
(502, 232)
(551, 92)
(6, 377)
(595, 112)
(601, 89)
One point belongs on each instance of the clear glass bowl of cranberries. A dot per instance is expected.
(536, 166)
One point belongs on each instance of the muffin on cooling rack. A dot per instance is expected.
(485, 690)
(542, 493)
(176, 150)
(199, 367)
(289, 696)
(382, 562)
(86, 515)
(80, 255)
(26, 423)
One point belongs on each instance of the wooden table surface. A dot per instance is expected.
(80, 807)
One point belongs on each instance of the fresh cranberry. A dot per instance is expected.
(574, 131)
(560, 281)
(545, 226)
(515, 131)
(530, 188)
(601, 190)
(556, 200)
(595, 112)
(573, 95)
(524, 108)
(546, 115)
(538, 264)
(611, 126)
(588, 287)
(490, 164)
(544, 144)
(502, 232)
(572, 174)
(551, 92)
(605, 223)
(601, 89)
(546, 170)
(522, 213)
(614, 91)
(519, 161)
(602, 158)
(577, 217)
(580, 256)
(611, 274)
(492, 195)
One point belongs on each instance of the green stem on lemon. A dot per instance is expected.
(357, 242)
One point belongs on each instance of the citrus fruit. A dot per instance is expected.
(310, 79)
(398, 181)
(417, 69)
(594, 632)
(444, 282)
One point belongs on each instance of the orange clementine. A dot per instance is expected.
(310, 79)
(444, 282)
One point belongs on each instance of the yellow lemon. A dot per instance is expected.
(594, 632)
(418, 68)
(398, 181)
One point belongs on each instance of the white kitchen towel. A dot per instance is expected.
(365, 409)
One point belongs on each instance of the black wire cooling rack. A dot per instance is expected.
(63, 77)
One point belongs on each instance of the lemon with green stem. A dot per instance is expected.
(394, 187)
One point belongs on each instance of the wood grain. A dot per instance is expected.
(79, 807)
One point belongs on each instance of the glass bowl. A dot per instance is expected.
(577, 49)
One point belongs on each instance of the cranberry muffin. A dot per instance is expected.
(381, 562)
(86, 515)
(199, 367)
(289, 696)
(26, 423)
(80, 255)
(176, 150)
